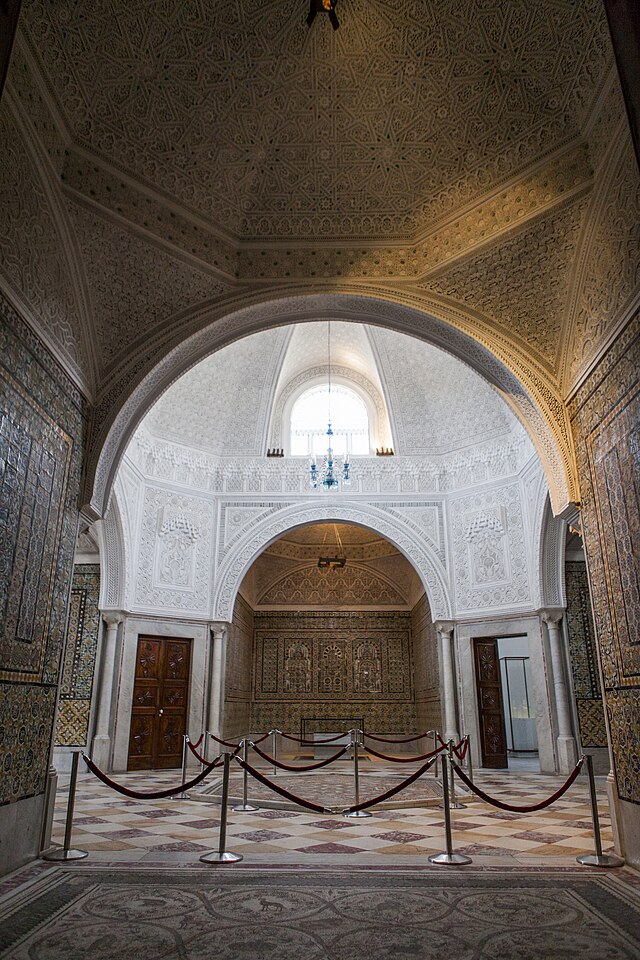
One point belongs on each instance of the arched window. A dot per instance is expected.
(349, 421)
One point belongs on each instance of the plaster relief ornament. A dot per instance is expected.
(177, 539)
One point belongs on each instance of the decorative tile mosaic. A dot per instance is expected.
(584, 657)
(42, 430)
(605, 414)
(78, 665)
(311, 664)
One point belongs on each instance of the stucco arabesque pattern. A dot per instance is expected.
(235, 564)
(275, 138)
(115, 417)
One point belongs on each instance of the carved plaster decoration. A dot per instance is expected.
(522, 282)
(489, 550)
(33, 262)
(236, 563)
(354, 586)
(238, 142)
(540, 410)
(174, 558)
(608, 281)
(115, 561)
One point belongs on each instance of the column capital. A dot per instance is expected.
(112, 618)
(218, 629)
(444, 626)
(551, 615)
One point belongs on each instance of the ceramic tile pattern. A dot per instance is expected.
(79, 657)
(605, 414)
(584, 656)
(41, 439)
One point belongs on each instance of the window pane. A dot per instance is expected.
(349, 421)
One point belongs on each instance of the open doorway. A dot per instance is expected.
(520, 723)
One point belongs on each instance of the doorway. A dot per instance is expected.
(159, 707)
(493, 741)
(515, 675)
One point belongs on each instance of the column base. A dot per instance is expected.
(101, 752)
(567, 754)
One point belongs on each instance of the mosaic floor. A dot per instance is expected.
(113, 828)
(193, 913)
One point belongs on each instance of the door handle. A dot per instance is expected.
(160, 712)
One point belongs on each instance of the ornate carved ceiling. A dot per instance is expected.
(267, 130)
(165, 164)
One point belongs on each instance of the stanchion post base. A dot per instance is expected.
(244, 808)
(360, 814)
(63, 855)
(606, 860)
(449, 859)
(225, 857)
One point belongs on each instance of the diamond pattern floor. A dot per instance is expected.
(113, 828)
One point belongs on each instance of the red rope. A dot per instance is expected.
(310, 743)
(425, 756)
(311, 766)
(223, 743)
(277, 789)
(391, 793)
(199, 741)
(155, 794)
(194, 751)
(530, 808)
(461, 751)
(370, 736)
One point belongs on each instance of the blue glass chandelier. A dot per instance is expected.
(332, 471)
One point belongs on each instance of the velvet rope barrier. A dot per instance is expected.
(512, 808)
(425, 756)
(392, 792)
(311, 743)
(155, 794)
(461, 749)
(420, 736)
(277, 789)
(192, 747)
(287, 766)
(199, 741)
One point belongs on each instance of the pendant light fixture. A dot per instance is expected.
(333, 471)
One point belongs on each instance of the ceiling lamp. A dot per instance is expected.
(339, 560)
(333, 470)
(323, 6)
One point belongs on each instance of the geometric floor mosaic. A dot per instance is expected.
(103, 913)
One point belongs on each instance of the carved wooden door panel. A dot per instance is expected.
(493, 741)
(159, 708)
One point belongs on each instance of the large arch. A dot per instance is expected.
(529, 395)
(415, 548)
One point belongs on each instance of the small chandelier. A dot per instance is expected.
(332, 471)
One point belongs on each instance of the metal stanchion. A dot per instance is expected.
(597, 859)
(274, 748)
(355, 744)
(67, 852)
(434, 734)
(205, 748)
(185, 753)
(449, 858)
(453, 800)
(221, 855)
(469, 761)
(245, 806)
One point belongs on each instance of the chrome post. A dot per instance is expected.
(469, 761)
(449, 858)
(434, 734)
(274, 748)
(185, 750)
(599, 859)
(355, 744)
(205, 748)
(454, 803)
(222, 855)
(245, 806)
(66, 852)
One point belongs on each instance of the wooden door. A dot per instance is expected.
(493, 741)
(159, 709)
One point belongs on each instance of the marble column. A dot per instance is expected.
(101, 744)
(567, 749)
(445, 633)
(217, 672)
